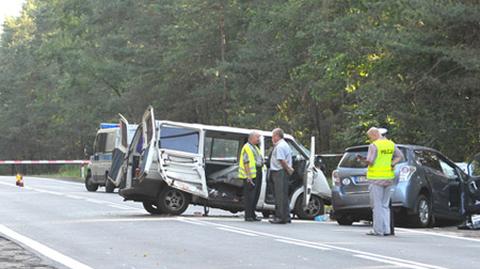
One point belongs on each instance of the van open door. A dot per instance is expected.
(181, 160)
(309, 175)
(149, 142)
(119, 153)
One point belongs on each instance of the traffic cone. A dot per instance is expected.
(19, 181)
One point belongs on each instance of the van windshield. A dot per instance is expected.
(178, 138)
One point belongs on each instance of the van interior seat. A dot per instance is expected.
(228, 175)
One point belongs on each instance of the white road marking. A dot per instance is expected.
(42, 249)
(439, 234)
(353, 251)
(236, 231)
(402, 265)
(189, 221)
(301, 244)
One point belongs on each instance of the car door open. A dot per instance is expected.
(119, 153)
(180, 153)
(309, 175)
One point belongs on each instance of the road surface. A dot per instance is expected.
(68, 227)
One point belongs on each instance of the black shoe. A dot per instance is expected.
(277, 221)
(257, 219)
(249, 219)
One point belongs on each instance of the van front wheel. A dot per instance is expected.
(172, 201)
(89, 185)
(315, 207)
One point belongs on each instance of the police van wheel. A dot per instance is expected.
(152, 208)
(109, 186)
(89, 185)
(172, 201)
(315, 207)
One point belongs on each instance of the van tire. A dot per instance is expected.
(152, 208)
(172, 201)
(109, 186)
(423, 213)
(89, 185)
(344, 220)
(316, 207)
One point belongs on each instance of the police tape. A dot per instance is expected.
(82, 162)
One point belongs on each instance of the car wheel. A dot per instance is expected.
(109, 186)
(173, 201)
(344, 220)
(89, 184)
(152, 208)
(423, 215)
(315, 207)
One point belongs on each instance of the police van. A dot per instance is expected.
(170, 165)
(107, 142)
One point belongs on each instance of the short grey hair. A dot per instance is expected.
(373, 130)
(279, 132)
(253, 134)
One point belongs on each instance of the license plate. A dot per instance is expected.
(360, 179)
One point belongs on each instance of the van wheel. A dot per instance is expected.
(423, 215)
(173, 201)
(315, 207)
(89, 184)
(109, 186)
(344, 220)
(152, 208)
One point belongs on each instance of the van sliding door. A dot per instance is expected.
(180, 154)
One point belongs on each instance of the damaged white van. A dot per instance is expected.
(170, 165)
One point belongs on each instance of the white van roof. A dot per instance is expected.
(215, 128)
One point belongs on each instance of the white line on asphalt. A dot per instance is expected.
(236, 231)
(403, 265)
(189, 221)
(439, 234)
(42, 249)
(359, 252)
(301, 244)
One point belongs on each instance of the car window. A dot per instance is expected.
(428, 159)
(178, 138)
(448, 170)
(350, 160)
(296, 154)
(219, 149)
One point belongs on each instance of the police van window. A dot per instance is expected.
(295, 152)
(124, 130)
(178, 138)
(110, 142)
(100, 143)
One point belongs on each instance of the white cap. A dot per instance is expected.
(382, 131)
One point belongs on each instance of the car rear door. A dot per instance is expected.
(149, 141)
(119, 153)
(181, 163)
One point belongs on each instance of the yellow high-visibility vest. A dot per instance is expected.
(382, 168)
(251, 162)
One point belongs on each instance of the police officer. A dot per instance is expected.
(250, 169)
(280, 170)
(381, 159)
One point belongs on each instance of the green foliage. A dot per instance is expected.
(329, 68)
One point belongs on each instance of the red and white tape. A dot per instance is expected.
(44, 161)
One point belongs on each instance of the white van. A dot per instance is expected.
(170, 165)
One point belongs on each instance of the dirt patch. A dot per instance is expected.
(14, 256)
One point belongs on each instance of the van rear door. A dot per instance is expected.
(119, 153)
(149, 141)
(309, 175)
(181, 158)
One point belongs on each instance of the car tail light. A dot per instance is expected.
(335, 178)
(406, 173)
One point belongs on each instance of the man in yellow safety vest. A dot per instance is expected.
(381, 158)
(251, 170)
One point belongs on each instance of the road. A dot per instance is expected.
(72, 228)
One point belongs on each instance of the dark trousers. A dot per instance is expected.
(251, 194)
(282, 203)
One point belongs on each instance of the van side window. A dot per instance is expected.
(219, 149)
(178, 138)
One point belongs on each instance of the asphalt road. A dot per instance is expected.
(69, 227)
